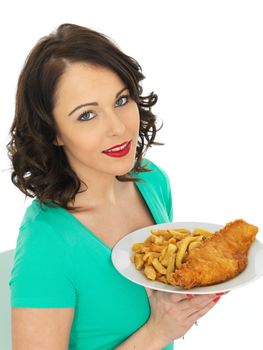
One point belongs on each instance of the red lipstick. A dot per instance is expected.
(119, 153)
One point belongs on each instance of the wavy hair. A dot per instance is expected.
(39, 168)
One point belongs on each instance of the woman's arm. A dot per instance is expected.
(41, 328)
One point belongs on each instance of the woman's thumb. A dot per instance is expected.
(149, 292)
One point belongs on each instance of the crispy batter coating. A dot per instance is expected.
(219, 258)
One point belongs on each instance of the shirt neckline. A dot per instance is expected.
(144, 196)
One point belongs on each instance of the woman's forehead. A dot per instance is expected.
(88, 70)
(88, 76)
(82, 81)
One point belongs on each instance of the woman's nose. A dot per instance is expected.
(115, 125)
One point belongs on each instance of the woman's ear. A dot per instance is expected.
(58, 141)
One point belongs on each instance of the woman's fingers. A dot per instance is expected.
(149, 292)
(172, 297)
(201, 312)
(186, 300)
(196, 303)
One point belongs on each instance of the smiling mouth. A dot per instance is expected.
(120, 152)
(118, 148)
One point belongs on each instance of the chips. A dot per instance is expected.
(165, 251)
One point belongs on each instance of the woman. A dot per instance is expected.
(78, 140)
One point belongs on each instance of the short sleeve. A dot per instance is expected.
(42, 273)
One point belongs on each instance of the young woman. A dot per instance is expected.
(78, 140)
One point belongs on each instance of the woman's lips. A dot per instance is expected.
(120, 153)
(122, 144)
(117, 146)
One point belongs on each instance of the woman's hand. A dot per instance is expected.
(172, 314)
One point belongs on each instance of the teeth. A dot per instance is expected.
(118, 148)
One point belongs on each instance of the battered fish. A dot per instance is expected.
(219, 258)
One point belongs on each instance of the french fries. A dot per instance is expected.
(164, 251)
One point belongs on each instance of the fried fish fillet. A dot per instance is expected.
(219, 258)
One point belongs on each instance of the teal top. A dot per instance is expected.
(60, 263)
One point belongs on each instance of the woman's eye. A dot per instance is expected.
(85, 116)
(123, 98)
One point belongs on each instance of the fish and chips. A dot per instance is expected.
(188, 259)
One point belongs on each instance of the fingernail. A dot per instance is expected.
(189, 295)
(216, 299)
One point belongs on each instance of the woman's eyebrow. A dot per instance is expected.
(95, 103)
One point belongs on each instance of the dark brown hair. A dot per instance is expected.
(40, 168)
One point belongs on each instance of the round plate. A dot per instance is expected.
(122, 252)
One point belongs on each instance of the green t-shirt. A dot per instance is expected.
(59, 263)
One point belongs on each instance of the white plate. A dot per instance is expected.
(122, 252)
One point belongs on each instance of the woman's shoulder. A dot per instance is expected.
(157, 174)
(34, 221)
(159, 183)
(39, 235)
(39, 225)
(37, 214)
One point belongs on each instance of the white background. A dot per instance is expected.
(204, 60)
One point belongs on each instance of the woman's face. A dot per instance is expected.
(85, 131)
